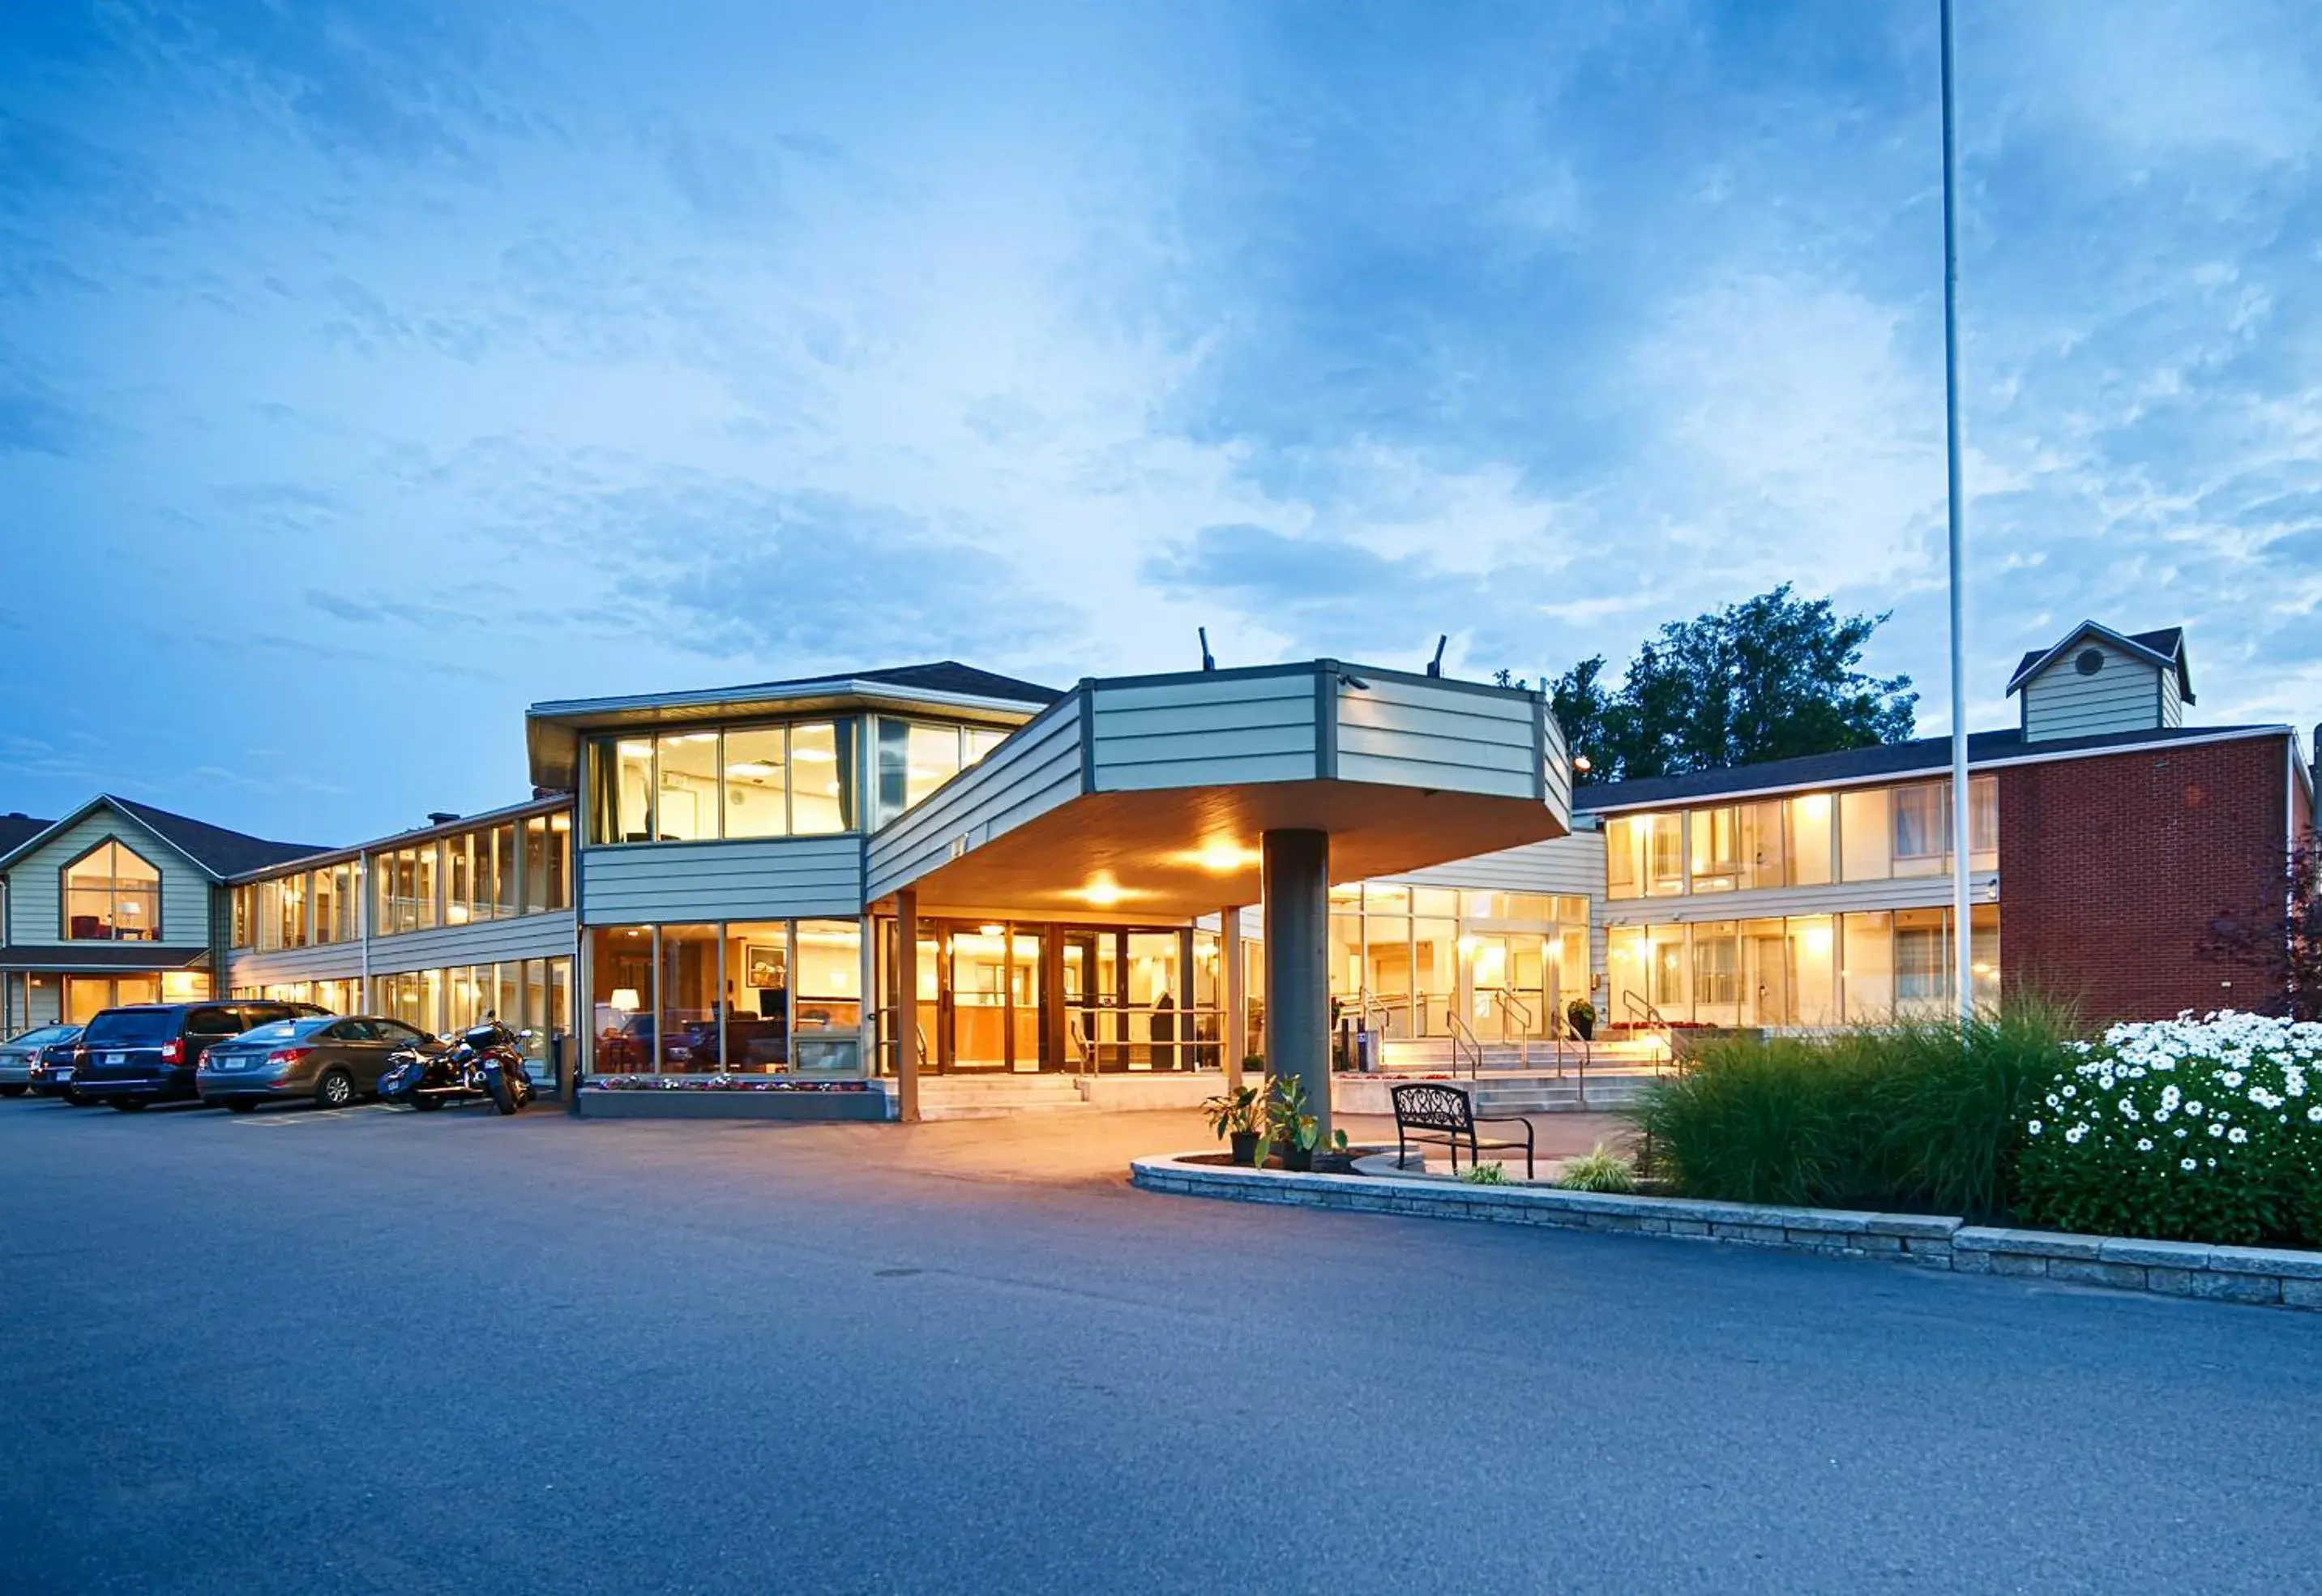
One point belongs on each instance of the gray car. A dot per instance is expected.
(19, 1053)
(322, 1059)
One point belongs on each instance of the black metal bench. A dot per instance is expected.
(1429, 1114)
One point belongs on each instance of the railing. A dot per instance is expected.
(1640, 1012)
(1513, 1007)
(1461, 1034)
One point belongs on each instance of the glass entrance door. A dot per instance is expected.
(1508, 985)
(990, 1001)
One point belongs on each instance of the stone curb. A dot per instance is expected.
(2265, 1275)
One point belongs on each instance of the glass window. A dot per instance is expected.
(981, 740)
(758, 996)
(547, 863)
(1867, 957)
(915, 758)
(1923, 983)
(1763, 846)
(688, 999)
(1716, 850)
(112, 896)
(1644, 856)
(1664, 855)
(325, 906)
(1862, 836)
(829, 1001)
(1810, 815)
(1922, 823)
(1983, 952)
(1983, 823)
(1716, 973)
(822, 777)
(240, 935)
(685, 805)
(1814, 971)
(757, 782)
(621, 999)
(504, 871)
(622, 770)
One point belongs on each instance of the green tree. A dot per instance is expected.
(1773, 678)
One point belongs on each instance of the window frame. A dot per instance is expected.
(113, 892)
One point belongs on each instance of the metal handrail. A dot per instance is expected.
(1639, 1007)
(1460, 1031)
(1512, 1006)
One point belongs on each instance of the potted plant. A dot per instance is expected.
(1237, 1117)
(1582, 1014)
(1292, 1130)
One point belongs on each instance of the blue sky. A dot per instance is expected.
(368, 373)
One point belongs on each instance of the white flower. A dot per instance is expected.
(2232, 1077)
(2070, 1090)
(2034, 1127)
(2237, 1135)
(2216, 1130)
(2075, 1134)
(2144, 1144)
(2187, 1164)
(2315, 1114)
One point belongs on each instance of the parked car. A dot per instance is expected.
(53, 1071)
(149, 1053)
(330, 1060)
(21, 1053)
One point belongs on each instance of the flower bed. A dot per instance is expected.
(2204, 1130)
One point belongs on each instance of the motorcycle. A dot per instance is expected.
(486, 1061)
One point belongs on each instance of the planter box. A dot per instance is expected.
(873, 1104)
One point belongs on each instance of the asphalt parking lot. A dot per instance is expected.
(374, 1351)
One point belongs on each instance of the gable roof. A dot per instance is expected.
(213, 850)
(17, 829)
(2165, 649)
(1925, 756)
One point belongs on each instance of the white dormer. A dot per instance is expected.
(2099, 681)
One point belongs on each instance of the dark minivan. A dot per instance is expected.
(148, 1052)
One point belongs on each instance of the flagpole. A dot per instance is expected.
(1963, 838)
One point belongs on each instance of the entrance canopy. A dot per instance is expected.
(1146, 796)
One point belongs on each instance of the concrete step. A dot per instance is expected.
(958, 1096)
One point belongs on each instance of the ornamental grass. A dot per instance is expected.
(1919, 1116)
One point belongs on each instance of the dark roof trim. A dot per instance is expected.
(103, 958)
(212, 850)
(2165, 649)
(1929, 756)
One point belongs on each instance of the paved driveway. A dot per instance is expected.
(377, 1351)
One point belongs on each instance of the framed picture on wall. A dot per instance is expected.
(762, 963)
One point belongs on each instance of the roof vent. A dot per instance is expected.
(441, 817)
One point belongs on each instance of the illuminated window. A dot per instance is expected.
(112, 896)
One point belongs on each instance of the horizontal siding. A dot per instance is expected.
(1033, 772)
(1572, 864)
(490, 941)
(36, 889)
(766, 878)
(1409, 735)
(1556, 759)
(1919, 892)
(1233, 730)
(335, 961)
(2123, 696)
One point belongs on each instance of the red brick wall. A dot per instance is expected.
(2110, 869)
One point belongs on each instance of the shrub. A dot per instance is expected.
(1486, 1175)
(1598, 1170)
(1918, 1115)
(2186, 1129)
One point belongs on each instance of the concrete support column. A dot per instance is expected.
(1296, 871)
(1236, 1025)
(906, 1005)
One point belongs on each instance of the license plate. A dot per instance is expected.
(116, 1058)
(232, 1063)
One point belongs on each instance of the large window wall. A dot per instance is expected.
(771, 997)
(1801, 970)
(913, 758)
(1440, 961)
(530, 995)
(112, 895)
(697, 785)
(1802, 840)
(518, 866)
